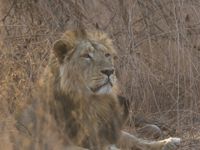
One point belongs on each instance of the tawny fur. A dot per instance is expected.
(86, 114)
(89, 120)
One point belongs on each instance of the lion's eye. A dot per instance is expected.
(87, 56)
(107, 55)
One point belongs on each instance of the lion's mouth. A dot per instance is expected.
(107, 85)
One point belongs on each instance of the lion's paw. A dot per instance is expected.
(172, 144)
(113, 147)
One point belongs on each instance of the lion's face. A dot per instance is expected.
(87, 66)
(96, 66)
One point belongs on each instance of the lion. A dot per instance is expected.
(80, 87)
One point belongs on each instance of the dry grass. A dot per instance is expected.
(158, 43)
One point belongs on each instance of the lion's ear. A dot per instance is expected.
(61, 48)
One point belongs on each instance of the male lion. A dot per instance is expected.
(81, 89)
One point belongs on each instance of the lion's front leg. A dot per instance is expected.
(171, 143)
(132, 141)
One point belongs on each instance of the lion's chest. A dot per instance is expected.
(94, 125)
(103, 132)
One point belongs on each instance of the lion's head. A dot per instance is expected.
(86, 63)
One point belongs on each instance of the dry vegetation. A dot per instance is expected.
(157, 42)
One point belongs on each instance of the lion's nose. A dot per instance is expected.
(107, 72)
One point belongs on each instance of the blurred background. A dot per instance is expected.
(158, 42)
